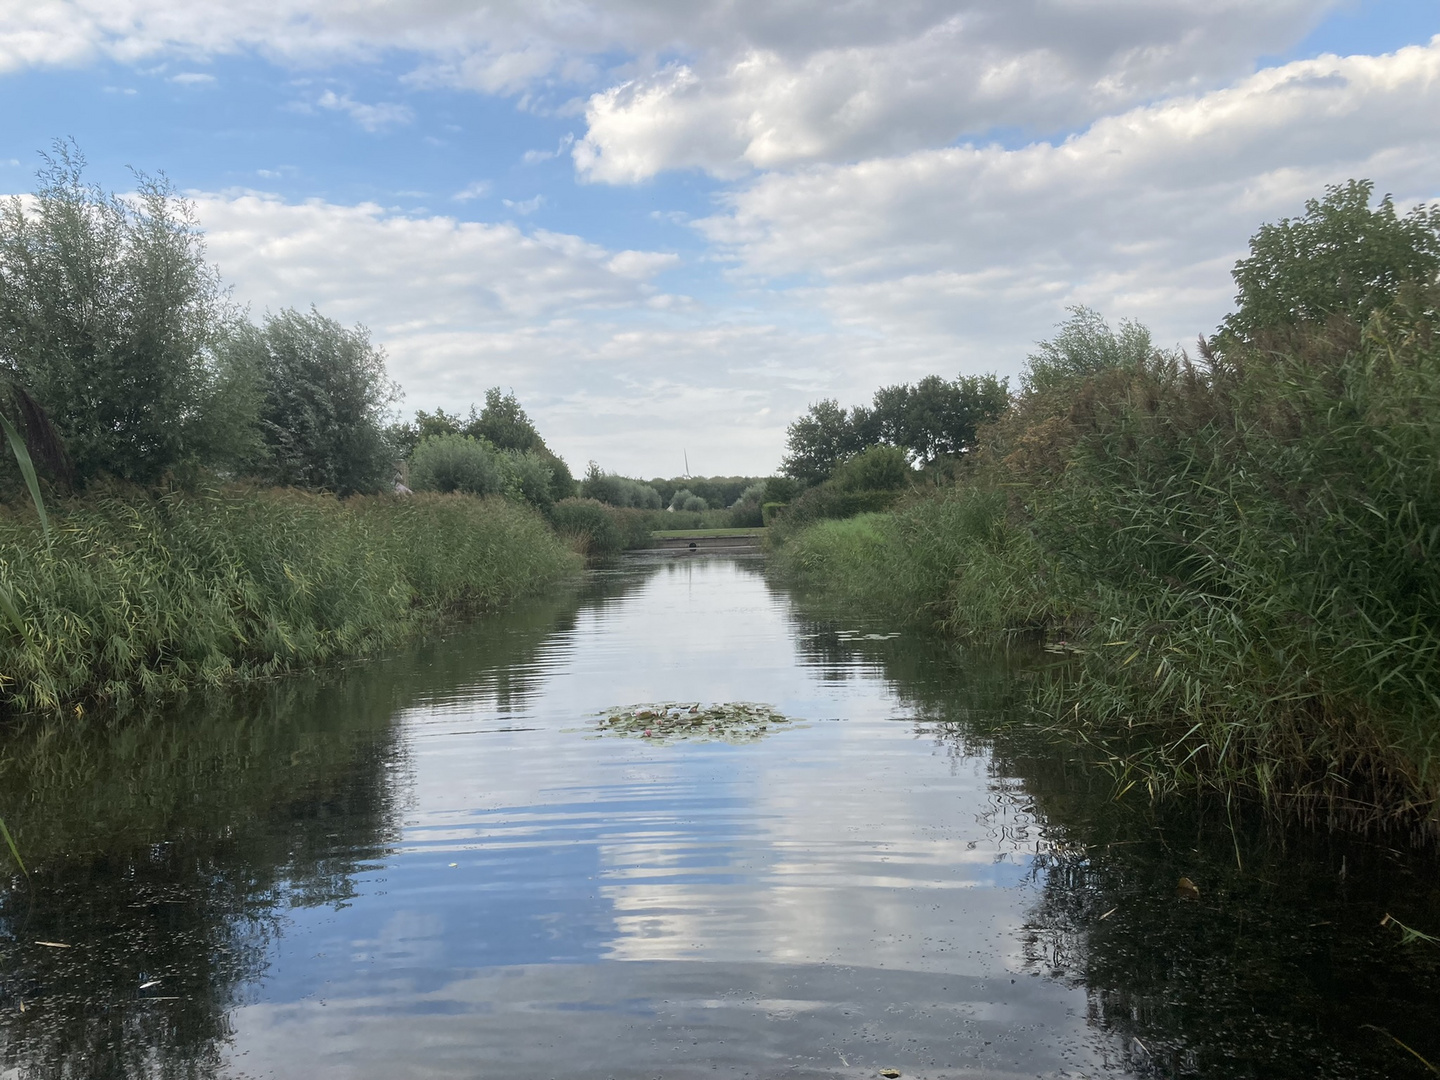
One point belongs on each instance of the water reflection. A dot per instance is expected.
(431, 866)
(1279, 969)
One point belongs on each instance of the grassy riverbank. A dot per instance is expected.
(1240, 561)
(140, 593)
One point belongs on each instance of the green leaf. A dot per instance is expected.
(15, 851)
(27, 467)
(9, 609)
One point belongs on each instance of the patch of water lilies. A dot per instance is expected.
(670, 721)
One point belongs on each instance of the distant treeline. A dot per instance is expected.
(1236, 554)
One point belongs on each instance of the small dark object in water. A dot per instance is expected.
(1187, 889)
(890, 1073)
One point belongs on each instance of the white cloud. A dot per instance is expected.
(477, 189)
(378, 117)
(642, 265)
(534, 157)
(192, 78)
(755, 84)
(525, 206)
(571, 325)
(1143, 213)
(1035, 65)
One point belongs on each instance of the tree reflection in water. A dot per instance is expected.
(1280, 967)
(166, 848)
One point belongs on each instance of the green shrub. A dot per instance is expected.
(1246, 557)
(451, 463)
(588, 525)
(615, 490)
(878, 468)
(745, 510)
(531, 477)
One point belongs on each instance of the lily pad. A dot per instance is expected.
(694, 721)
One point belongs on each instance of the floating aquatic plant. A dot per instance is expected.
(670, 721)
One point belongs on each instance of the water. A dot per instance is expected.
(434, 865)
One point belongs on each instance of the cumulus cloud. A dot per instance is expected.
(1034, 65)
(749, 83)
(1142, 213)
(571, 325)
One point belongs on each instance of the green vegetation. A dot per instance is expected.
(530, 469)
(150, 405)
(933, 422)
(600, 531)
(323, 395)
(613, 489)
(140, 593)
(692, 721)
(1238, 556)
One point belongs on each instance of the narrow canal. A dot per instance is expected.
(442, 864)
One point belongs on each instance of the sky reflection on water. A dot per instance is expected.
(833, 854)
(434, 865)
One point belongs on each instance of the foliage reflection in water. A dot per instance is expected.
(423, 867)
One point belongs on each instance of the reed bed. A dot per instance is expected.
(138, 594)
(1239, 562)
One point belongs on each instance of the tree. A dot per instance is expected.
(934, 418)
(818, 441)
(325, 393)
(1340, 258)
(110, 318)
(1084, 346)
(504, 423)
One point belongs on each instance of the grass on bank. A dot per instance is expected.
(140, 593)
(1245, 557)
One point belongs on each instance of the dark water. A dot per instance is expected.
(433, 866)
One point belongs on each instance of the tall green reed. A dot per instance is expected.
(1241, 558)
(138, 594)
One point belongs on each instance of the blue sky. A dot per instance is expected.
(670, 228)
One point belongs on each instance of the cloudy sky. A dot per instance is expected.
(670, 227)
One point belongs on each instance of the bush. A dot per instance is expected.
(689, 502)
(745, 511)
(531, 477)
(828, 502)
(451, 463)
(614, 490)
(878, 468)
(588, 525)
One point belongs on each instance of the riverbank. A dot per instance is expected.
(1236, 569)
(141, 594)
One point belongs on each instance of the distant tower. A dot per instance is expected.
(686, 474)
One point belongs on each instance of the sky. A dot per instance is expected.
(669, 228)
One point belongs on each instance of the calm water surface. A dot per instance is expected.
(435, 866)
